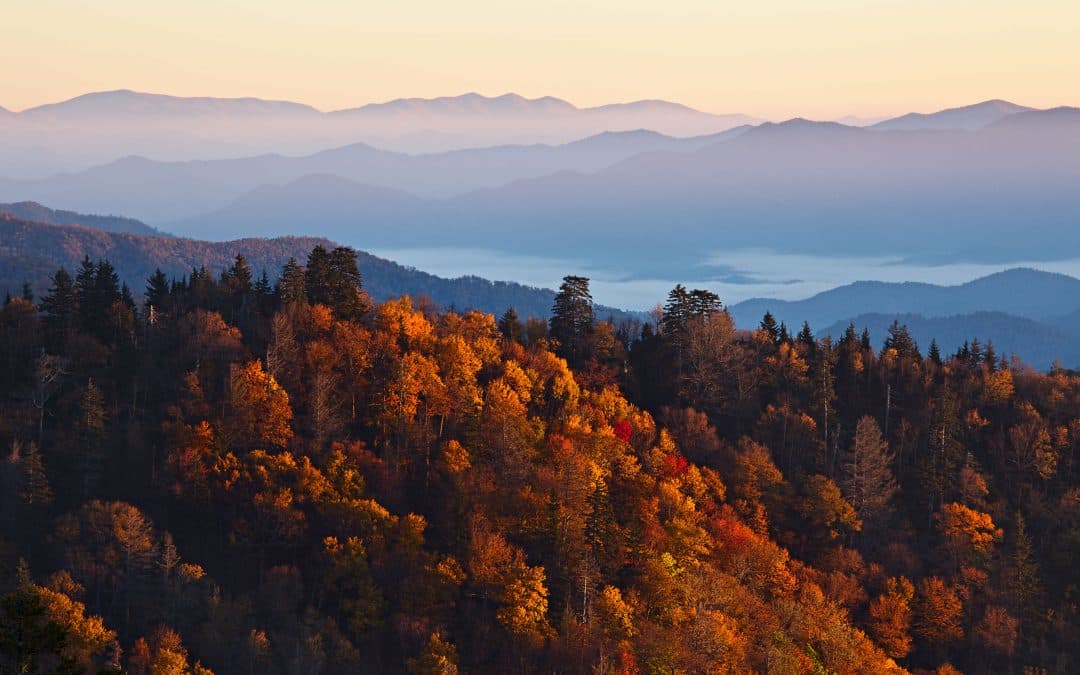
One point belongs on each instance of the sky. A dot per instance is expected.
(775, 59)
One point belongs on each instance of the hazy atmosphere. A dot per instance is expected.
(772, 60)
(575, 338)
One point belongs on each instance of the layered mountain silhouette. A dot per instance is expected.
(969, 117)
(167, 191)
(100, 127)
(1027, 293)
(812, 187)
(1031, 313)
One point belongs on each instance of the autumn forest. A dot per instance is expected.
(252, 472)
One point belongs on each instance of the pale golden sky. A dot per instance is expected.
(772, 58)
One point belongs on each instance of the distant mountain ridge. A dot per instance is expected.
(162, 192)
(1034, 342)
(32, 251)
(1021, 292)
(99, 127)
(1031, 313)
(128, 103)
(798, 186)
(966, 117)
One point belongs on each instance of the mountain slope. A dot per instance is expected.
(967, 117)
(127, 104)
(161, 192)
(813, 188)
(1024, 293)
(32, 251)
(1034, 342)
(43, 214)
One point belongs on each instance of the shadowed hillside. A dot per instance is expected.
(31, 251)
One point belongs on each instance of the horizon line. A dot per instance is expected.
(508, 94)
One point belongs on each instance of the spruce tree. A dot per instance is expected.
(601, 530)
(60, 306)
(864, 340)
(768, 324)
(934, 353)
(900, 339)
(91, 429)
(572, 319)
(292, 287)
(333, 279)
(157, 295)
(36, 490)
(510, 325)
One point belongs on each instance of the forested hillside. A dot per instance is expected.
(30, 251)
(43, 214)
(238, 476)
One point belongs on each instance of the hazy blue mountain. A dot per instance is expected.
(996, 194)
(1034, 342)
(43, 214)
(1067, 323)
(967, 117)
(166, 191)
(100, 127)
(31, 251)
(1024, 293)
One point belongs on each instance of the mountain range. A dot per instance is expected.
(800, 186)
(163, 192)
(1027, 293)
(1031, 313)
(100, 127)
(31, 251)
(1035, 343)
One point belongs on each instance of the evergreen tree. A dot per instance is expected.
(1023, 574)
(97, 287)
(36, 490)
(940, 463)
(601, 530)
(238, 277)
(157, 295)
(60, 306)
(510, 325)
(677, 313)
(91, 432)
(784, 336)
(572, 319)
(262, 287)
(823, 392)
(806, 337)
(768, 324)
(990, 357)
(864, 340)
(292, 287)
(704, 303)
(900, 339)
(333, 279)
(934, 353)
